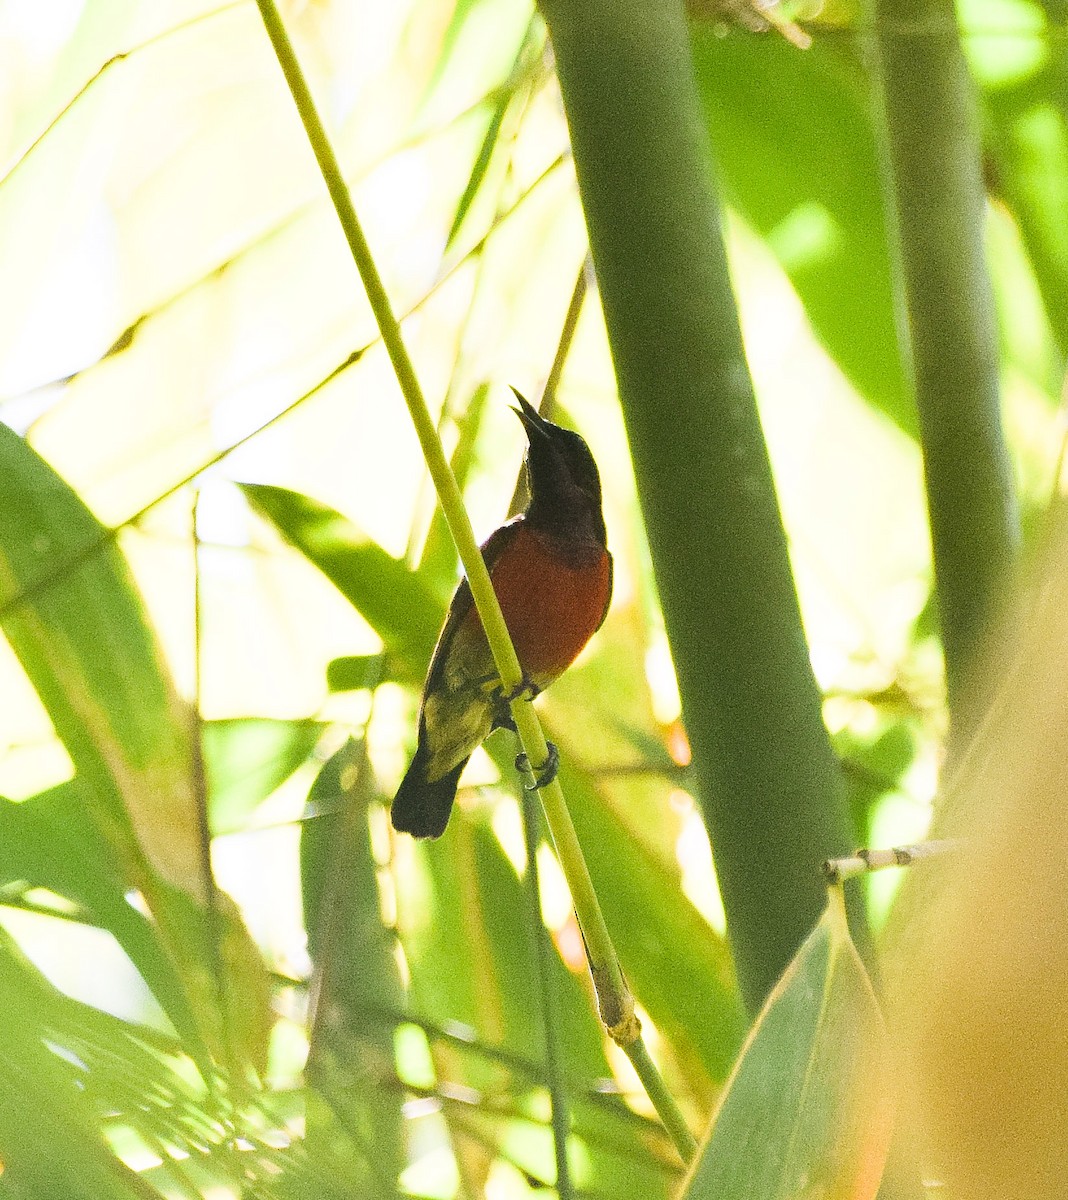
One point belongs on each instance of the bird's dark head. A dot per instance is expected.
(565, 488)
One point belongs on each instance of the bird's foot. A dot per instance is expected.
(545, 774)
(526, 689)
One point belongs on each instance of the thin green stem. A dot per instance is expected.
(554, 1068)
(614, 999)
(653, 1082)
(213, 923)
(567, 332)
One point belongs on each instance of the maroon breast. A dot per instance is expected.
(553, 598)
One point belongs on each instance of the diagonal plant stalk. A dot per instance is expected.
(554, 1068)
(615, 1002)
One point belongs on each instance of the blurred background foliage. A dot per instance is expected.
(221, 576)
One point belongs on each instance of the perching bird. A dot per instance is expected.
(552, 573)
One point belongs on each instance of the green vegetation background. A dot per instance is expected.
(220, 969)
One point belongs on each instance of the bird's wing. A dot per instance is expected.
(460, 605)
(458, 711)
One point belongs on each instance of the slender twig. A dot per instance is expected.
(209, 894)
(67, 567)
(663, 1101)
(567, 334)
(103, 70)
(615, 1003)
(836, 870)
(556, 371)
(542, 962)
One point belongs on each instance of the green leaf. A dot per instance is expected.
(69, 608)
(500, 129)
(807, 1110)
(353, 672)
(465, 58)
(473, 955)
(359, 992)
(50, 1144)
(480, 168)
(393, 600)
(875, 763)
(120, 1068)
(776, 118)
(1029, 145)
(471, 951)
(50, 841)
(71, 612)
(246, 759)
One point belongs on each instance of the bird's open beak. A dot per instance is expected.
(533, 421)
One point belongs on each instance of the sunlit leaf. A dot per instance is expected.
(776, 118)
(358, 989)
(502, 126)
(71, 613)
(247, 759)
(50, 1143)
(51, 841)
(808, 1110)
(394, 600)
(1030, 150)
(470, 945)
(353, 672)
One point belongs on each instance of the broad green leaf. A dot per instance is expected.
(121, 1069)
(875, 763)
(50, 1143)
(69, 608)
(629, 1155)
(70, 611)
(393, 600)
(611, 1153)
(359, 991)
(353, 672)
(807, 1111)
(50, 841)
(793, 139)
(137, 1085)
(246, 759)
(1029, 145)
(333, 1162)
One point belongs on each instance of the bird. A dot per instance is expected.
(552, 572)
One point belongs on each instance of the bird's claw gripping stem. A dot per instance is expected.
(545, 774)
(526, 688)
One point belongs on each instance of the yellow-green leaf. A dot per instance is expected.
(808, 1111)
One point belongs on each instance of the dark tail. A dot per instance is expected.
(420, 807)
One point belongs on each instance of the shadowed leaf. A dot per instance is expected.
(807, 1111)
